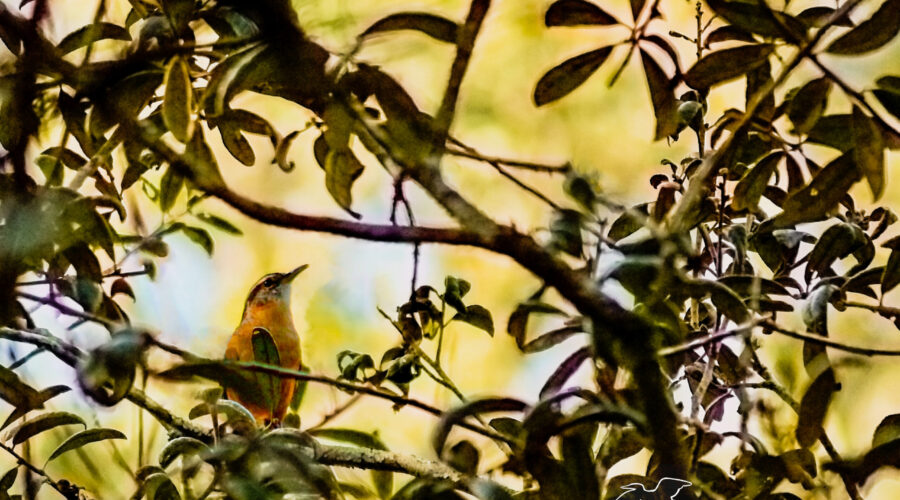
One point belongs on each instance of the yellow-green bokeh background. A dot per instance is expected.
(196, 301)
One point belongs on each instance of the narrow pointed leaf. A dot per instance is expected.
(434, 26)
(178, 100)
(341, 171)
(821, 195)
(869, 151)
(577, 13)
(266, 351)
(871, 34)
(750, 188)
(727, 64)
(85, 437)
(813, 408)
(569, 75)
(808, 104)
(89, 34)
(665, 106)
(43, 423)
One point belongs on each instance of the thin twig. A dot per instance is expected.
(69, 493)
(827, 342)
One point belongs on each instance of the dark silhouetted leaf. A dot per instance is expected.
(817, 17)
(628, 223)
(813, 408)
(85, 437)
(476, 407)
(665, 106)
(727, 64)
(837, 242)
(463, 456)
(518, 320)
(564, 371)
(434, 26)
(237, 144)
(576, 13)
(551, 338)
(199, 236)
(567, 76)
(752, 185)
(341, 171)
(821, 195)
(89, 34)
(169, 188)
(871, 34)
(808, 104)
(477, 316)
(888, 430)
(869, 150)
(759, 19)
(265, 351)
(219, 223)
(890, 278)
(729, 33)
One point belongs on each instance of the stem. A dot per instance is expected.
(69, 493)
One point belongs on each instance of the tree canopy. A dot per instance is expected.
(767, 226)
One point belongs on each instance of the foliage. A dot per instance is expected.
(712, 265)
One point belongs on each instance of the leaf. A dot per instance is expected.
(518, 320)
(199, 236)
(819, 16)
(576, 13)
(178, 447)
(341, 171)
(159, 486)
(551, 338)
(201, 163)
(628, 223)
(178, 100)
(808, 104)
(890, 278)
(239, 418)
(837, 242)
(8, 479)
(813, 408)
(454, 290)
(727, 64)
(169, 187)
(888, 430)
(43, 423)
(745, 285)
(434, 26)
(463, 456)
(869, 150)
(567, 76)
(750, 188)
(477, 316)
(665, 106)
(266, 351)
(383, 479)
(89, 34)
(226, 79)
(820, 196)
(564, 371)
(237, 144)
(219, 223)
(475, 407)
(85, 437)
(871, 34)
(565, 232)
(729, 33)
(759, 19)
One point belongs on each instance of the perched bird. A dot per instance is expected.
(267, 311)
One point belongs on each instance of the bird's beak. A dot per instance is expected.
(293, 274)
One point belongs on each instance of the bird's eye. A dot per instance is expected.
(269, 282)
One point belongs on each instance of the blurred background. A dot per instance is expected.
(196, 301)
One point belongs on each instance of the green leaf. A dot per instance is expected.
(477, 316)
(179, 12)
(178, 447)
(85, 437)
(820, 196)
(727, 64)
(341, 171)
(199, 236)
(665, 106)
(434, 26)
(219, 223)
(723, 298)
(177, 103)
(89, 34)
(239, 418)
(871, 34)
(813, 408)
(565, 231)
(159, 486)
(227, 79)
(266, 351)
(750, 188)
(454, 290)
(475, 407)
(729, 33)
(201, 163)
(169, 188)
(567, 76)
(808, 104)
(628, 223)
(869, 150)
(832, 131)
(8, 479)
(43, 423)
(576, 13)
(888, 430)
(237, 144)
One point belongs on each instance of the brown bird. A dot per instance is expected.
(268, 309)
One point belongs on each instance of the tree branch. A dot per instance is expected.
(464, 44)
(825, 341)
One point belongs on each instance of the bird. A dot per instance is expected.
(267, 311)
(667, 488)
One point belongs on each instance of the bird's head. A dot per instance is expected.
(275, 287)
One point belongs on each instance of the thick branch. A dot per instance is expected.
(371, 459)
